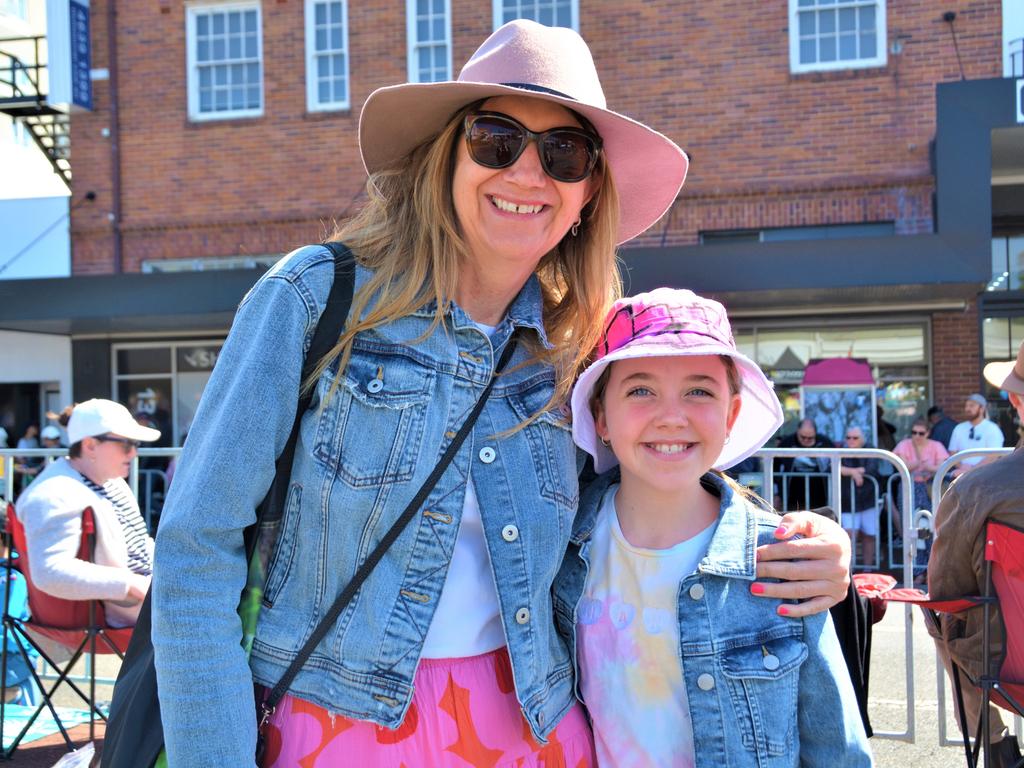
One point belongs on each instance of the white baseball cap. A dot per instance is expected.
(50, 432)
(105, 417)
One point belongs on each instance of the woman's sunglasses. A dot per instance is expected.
(126, 445)
(496, 141)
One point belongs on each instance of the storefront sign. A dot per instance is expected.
(70, 54)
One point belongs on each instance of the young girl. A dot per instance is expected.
(679, 664)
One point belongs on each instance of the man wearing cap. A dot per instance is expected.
(977, 432)
(103, 437)
(957, 566)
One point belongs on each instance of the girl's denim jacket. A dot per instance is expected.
(764, 691)
(358, 462)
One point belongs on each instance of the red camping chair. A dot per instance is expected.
(78, 625)
(1004, 587)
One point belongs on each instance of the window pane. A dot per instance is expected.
(254, 97)
(320, 14)
(847, 19)
(321, 39)
(867, 17)
(144, 360)
(218, 49)
(250, 47)
(218, 23)
(237, 97)
(235, 47)
(203, 25)
(234, 23)
(336, 13)
(323, 67)
(220, 75)
(439, 59)
(236, 74)
(336, 38)
(338, 65)
(220, 100)
(547, 17)
(847, 47)
(806, 24)
(339, 91)
(206, 79)
(439, 7)
(422, 7)
(250, 21)
(867, 45)
(1015, 249)
(202, 51)
(323, 91)
(438, 31)
(827, 47)
(205, 101)
(827, 22)
(808, 51)
(424, 59)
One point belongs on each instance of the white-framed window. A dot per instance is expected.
(552, 13)
(428, 27)
(225, 61)
(836, 34)
(327, 80)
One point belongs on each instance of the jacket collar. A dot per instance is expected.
(733, 545)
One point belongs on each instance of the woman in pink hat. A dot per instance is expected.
(495, 206)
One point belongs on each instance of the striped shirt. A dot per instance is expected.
(136, 537)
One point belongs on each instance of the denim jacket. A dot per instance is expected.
(764, 691)
(358, 462)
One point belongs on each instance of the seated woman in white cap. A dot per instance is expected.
(104, 438)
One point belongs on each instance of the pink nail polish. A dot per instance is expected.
(757, 589)
(783, 610)
(781, 530)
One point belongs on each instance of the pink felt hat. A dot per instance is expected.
(670, 322)
(523, 58)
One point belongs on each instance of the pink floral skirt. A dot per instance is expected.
(464, 713)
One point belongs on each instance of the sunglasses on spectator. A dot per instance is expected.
(496, 141)
(918, 432)
(971, 436)
(855, 437)
(126, 444)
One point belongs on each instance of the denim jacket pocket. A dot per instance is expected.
(763, 681)
(550, 438)
(284, 547)
(371, 430)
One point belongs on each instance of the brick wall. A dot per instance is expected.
(769, 148)
(956, 358)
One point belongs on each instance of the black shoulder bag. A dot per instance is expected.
(134, 735)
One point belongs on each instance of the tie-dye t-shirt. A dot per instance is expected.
(628, 646)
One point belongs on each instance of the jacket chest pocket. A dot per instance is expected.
(551, 446)
(371, 430)
(763, 680)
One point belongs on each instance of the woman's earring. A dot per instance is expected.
(606, 442)
(575, 229)
(727, 439)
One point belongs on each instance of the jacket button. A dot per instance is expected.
(705, 682)
(522, 615)
(487, 455)
(374, 386)
(697, 591)
(510, 533)
(771, 662)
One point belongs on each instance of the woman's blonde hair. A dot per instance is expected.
(408, 235)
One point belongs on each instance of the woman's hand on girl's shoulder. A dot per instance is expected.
(814, 569)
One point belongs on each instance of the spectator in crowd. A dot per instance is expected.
(941, 425)
(992, 492)
(923, 457)
(104, 438)
(50, 436)
(860, 497)
(805, 492)
(976, 432)
(27, 467)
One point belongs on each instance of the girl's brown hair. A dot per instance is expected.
(408, 235)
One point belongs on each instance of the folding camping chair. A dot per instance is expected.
(1004, 588)
(78, 625)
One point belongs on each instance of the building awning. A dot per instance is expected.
(182, 302)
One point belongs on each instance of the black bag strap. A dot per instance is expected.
(328, 330)
(364, 570)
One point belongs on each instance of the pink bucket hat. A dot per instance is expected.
(669, 322)
(523, 58)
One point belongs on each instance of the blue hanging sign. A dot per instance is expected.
(81, 54)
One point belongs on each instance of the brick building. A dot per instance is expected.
(857, 177)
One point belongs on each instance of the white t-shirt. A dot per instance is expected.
(467, 621)
(628, 646)
(985, 435)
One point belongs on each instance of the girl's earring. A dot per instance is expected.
(727, 439)
(575, 229)
(606, 442)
